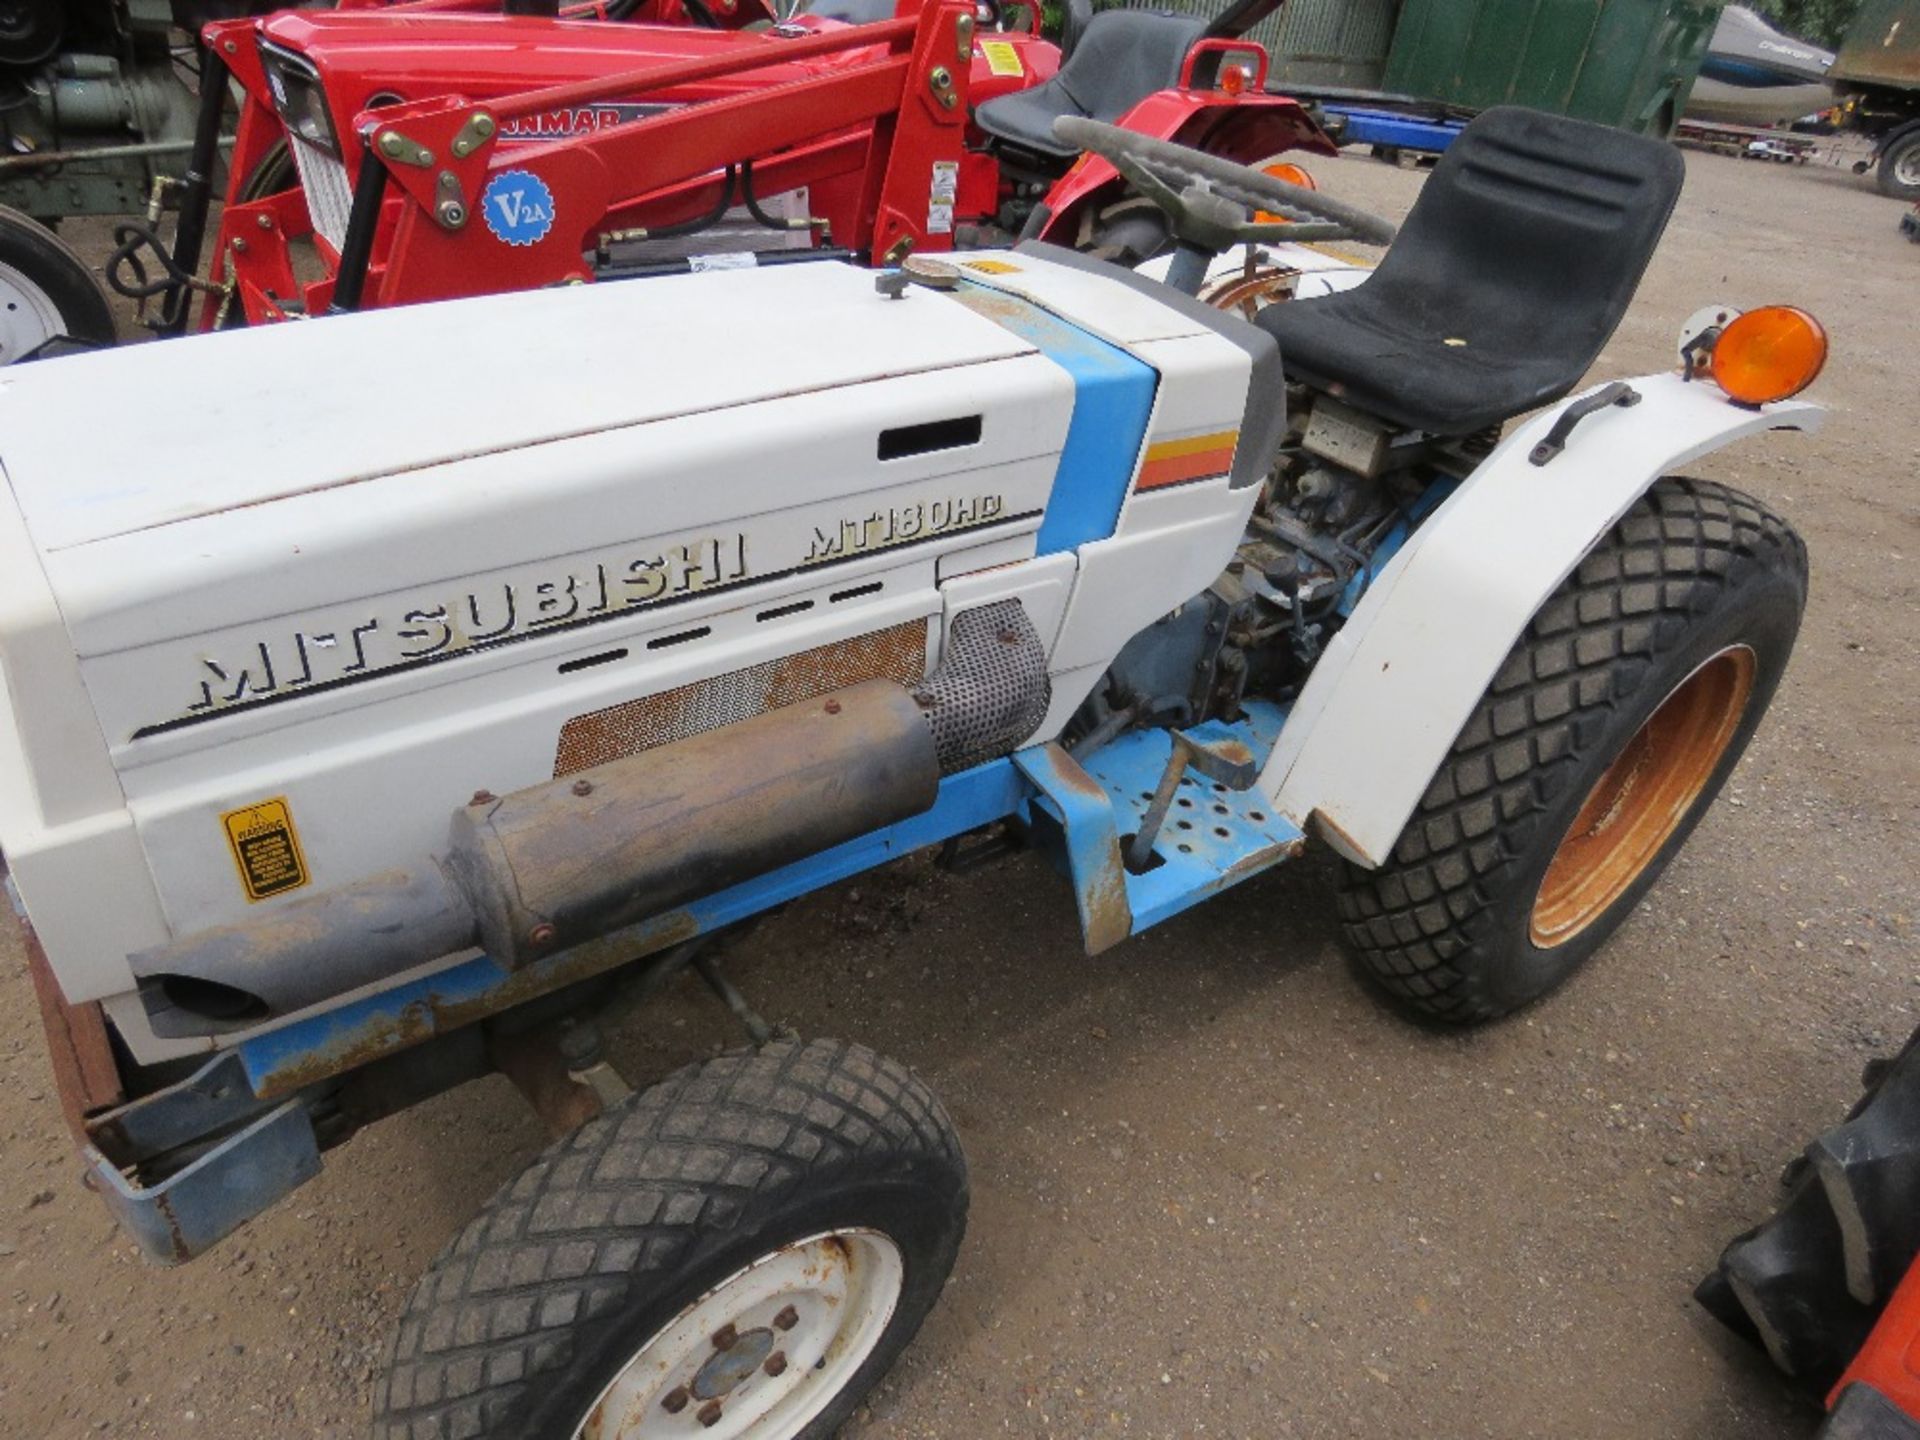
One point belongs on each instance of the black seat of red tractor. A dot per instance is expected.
(1511, 272)
(1122, 57)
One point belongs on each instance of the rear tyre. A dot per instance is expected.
(740, 1251)
(46, 291)
(1604, 736)
(1899, 172)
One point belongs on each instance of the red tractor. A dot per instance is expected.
(426, 151)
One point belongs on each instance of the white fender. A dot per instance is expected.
(1395, 686)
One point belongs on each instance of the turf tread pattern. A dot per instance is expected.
(1670, 559)
(619, 1202)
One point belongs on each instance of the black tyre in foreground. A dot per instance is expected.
(1810, 1283)
(1598, 746)
(46, 291)
(739, 1251)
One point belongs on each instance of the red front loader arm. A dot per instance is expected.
(441, 209)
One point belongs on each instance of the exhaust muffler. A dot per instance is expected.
(534, 872)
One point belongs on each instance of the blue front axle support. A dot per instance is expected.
(1081, 810)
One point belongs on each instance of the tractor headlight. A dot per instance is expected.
(299, 97)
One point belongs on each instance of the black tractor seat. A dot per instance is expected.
(1122, 57)
(1511, 272)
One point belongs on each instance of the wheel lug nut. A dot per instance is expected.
(725, 1337)
(675, 1400)
(709, 1414)
(786, 1319)
(776, 1363)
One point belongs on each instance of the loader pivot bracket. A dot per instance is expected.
(1607, 396)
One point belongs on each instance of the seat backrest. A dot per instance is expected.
(1537, 223)
(1123, 56)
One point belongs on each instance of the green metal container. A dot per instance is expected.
(1333, 42)
(1312, 42)
(1629, 63)
(1882, 46)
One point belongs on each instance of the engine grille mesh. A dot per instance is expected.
(991, 691)
(897, 653)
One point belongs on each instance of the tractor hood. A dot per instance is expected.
(327, 458)
(355, 569)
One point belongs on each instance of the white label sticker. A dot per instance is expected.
(740, 260)
(945, 192)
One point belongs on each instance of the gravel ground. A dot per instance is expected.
(1218, 1190)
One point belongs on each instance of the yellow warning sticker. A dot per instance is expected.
(1003, 57)
(266, 848)
(992, 267)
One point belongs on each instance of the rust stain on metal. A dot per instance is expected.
(1109, 918)
(1265, 858)
(1340, 838)
(176, 1237)
(1072, 776)
(1234, 752)
(383, 1035)
(533, 1062)
(84, 1072)
(897, 653)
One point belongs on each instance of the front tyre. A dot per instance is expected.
(1604, 736)
(740, 1252)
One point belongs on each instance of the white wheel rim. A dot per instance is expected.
(763, 1353)
(28, 316)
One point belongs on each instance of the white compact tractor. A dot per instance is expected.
(373, 734)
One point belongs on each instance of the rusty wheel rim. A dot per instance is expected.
(1643, 797)
(764, 1352)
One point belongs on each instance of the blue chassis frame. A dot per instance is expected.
(1213, 838)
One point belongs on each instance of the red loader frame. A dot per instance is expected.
(872, 120)
(867, 133)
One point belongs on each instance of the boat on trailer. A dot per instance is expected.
(1754, 74)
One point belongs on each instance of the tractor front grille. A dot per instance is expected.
(329, 196)
(897, 653)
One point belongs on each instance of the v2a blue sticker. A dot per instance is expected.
(518, 207)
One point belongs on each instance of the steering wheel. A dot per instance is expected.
(1207, 200)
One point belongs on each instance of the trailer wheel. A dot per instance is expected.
(1598, 746)
(1899, 172)
(740, 1251)
(45, 291)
